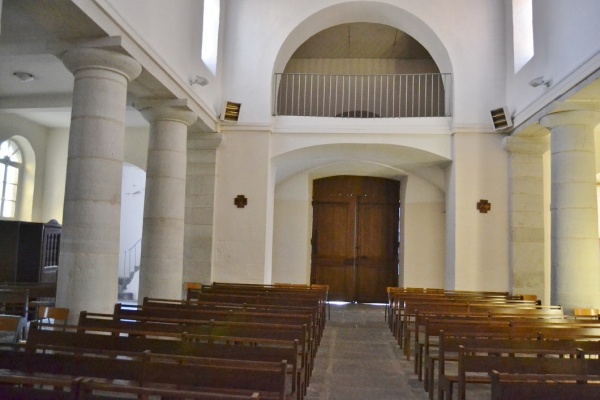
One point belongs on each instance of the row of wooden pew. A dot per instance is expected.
(237, 341)
(23, 300)
(495, 339)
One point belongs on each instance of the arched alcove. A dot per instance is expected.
(422, 184)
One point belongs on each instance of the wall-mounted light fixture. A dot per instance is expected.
(24, 76)
(231, 111)
(540, 81)
(200, 80)
(500, 118)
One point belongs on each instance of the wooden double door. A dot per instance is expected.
(355, 237)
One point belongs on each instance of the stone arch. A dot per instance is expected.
(364, 11)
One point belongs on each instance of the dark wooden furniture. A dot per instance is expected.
(29, 251)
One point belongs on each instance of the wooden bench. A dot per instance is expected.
(91, 389)
(519, 313)
(226, 347)
(89, 321)
(567, 386)
(159, 327)
(208, 305)
(224, 314)
(155, 371)
(277, 297)
(475, 364)
(471, 307)
(18, 386)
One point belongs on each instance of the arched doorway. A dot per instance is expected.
(355, 236)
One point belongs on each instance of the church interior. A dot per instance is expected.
(347, 154)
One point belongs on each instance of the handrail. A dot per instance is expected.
(363, 96)
(132, 257)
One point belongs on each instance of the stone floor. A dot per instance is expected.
(359, 360)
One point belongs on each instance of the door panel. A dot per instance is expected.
(331, 246)
(355, 237)
(377, 256)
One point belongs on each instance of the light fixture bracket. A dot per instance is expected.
(24, 76)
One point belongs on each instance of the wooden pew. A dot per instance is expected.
(251, 349)
(254, 296)
(397, 298)
(159, 327)
(551, 339)
(201, 327)
(454, 306)
(228, 376)
(18, 386)
(224, 347)
(224, 314)
(156, 371)
(567, 386)
(213, 305)
(91, 389)
(518, 312)
(510, 360)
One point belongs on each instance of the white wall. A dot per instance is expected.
(424, 234)
(56, 173)
(469, 32)
(240, 234)
(292, 230)
(481, 252)
(172, 32)
(563, 53)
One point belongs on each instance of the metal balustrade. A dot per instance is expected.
(363, 96)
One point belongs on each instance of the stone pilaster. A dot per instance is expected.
(89, 259)
(527, 227)
(161, 269)
(575, 256)
(199, 207)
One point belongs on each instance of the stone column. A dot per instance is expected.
(89, 259)
(527, 211)
(161, 269)
(574, 211)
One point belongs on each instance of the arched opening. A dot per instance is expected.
(132, 217)
(422, 225)
(361, 70)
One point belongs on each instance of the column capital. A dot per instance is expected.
(165, 113)
(526, 145)
(572, 116)
(89, 58)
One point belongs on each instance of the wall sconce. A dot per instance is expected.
(540, 81)
(24, 76)
(232, 111)
(200, 80)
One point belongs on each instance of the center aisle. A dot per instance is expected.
(358, 359)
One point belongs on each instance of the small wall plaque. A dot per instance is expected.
(240, 201)
(484, 206)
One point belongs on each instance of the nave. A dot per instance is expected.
(359, 359)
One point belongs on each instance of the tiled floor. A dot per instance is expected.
(359, 360)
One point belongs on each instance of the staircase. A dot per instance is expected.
(131, 265)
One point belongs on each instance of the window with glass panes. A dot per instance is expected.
(10, 166)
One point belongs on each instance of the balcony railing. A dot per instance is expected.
(363, 96)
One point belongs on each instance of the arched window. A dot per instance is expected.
(10, 167)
